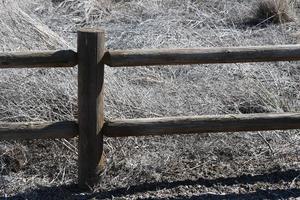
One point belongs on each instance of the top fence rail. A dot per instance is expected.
(33, 59)
(131, 58)
(202, 55)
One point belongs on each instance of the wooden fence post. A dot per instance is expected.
(90, 105)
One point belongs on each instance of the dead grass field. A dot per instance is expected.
(250, 165)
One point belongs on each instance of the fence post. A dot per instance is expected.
(90, 48)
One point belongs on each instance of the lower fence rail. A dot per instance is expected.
(156, 126)
(202, 124)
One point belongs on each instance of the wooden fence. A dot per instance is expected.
(91, 57)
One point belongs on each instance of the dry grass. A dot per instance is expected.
(34, 95)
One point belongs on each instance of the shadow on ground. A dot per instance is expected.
(72, 192)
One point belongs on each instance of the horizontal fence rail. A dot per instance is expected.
(119, 58)
(202, 124)
(62, 58)
(38, 130)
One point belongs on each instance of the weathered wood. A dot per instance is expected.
(202, 55)
(61, 58)
(90, 100)
(202, 124)
(38, 130)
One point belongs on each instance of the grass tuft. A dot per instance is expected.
(274, 11)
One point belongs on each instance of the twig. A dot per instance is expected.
(269, 145)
